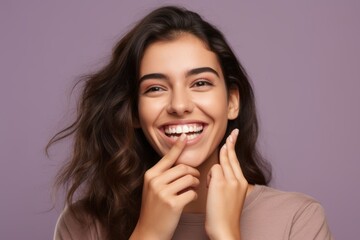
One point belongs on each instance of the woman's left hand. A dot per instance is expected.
(227, 189)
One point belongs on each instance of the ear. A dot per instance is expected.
(233, 103)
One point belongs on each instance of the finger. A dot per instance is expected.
(187, 197)
(182, 184)
(214, 174)
(225, 163)
(175, 173)
(170, 158)
(233, 160)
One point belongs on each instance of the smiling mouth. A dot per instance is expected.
(191, 130)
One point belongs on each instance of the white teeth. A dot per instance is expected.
(191, 129)
(188, 136)
(188, 128)
(192, 136)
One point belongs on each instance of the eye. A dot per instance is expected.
(202, 83)
(154, 89)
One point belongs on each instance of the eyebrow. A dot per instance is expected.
(191, 72)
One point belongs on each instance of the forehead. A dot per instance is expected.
(178, 55)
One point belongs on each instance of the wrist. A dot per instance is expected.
(225, 234)
(138, 234)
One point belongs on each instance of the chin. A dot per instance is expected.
(190, 163)
(191, 159)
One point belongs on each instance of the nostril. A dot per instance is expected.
(180, 103)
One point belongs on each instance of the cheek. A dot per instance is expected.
(146, 112)
(215, 104)
(149, 112)
(147, 117)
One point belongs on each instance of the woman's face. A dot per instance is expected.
(182, 90)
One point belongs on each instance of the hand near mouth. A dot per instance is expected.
(227, 189)
(167, 190)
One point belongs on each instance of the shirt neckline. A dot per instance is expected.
(199, 218)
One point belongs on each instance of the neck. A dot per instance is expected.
(199, 205)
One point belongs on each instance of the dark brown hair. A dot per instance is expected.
(110, 155)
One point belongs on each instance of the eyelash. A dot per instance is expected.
(154, 89)
(202, 83)
(198, 84)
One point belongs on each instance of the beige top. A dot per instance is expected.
(267, 214)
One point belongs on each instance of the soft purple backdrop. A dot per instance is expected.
(303, 58)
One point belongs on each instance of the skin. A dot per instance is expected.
(182, 83)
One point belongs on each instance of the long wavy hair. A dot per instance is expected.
(110, 155)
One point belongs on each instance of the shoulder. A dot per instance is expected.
(77, 223)
(291, 199)
(304, 215)
(295, 203)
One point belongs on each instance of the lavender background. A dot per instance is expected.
(303, 58)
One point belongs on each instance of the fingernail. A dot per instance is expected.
(236, 132)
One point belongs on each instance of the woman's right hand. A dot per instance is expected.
(167, 190)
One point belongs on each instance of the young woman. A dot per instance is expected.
(165, 145)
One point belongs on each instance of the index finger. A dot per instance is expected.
(174, 153)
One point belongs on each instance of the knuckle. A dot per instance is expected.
(244, 183)
(153, 183)
(163, 196)
(234, 183)
(192, 193)
(195, 194)
(217, 166)
(189, 196)
(148, 175)
(172, 204)
(196, 181)
(183, 167)
(189, 178)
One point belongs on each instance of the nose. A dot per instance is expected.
(180, 102)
